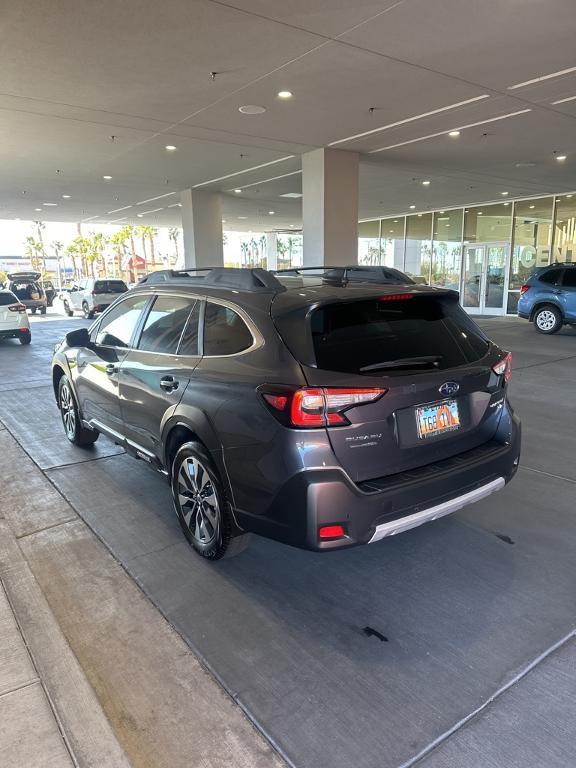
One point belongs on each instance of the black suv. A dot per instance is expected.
(322, 417)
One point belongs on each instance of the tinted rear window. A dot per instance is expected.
(552, 276)
(348, 337)
(7, 298)
(110, 286)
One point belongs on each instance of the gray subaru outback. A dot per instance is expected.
(323, 417)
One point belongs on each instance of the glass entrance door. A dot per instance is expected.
(485, 271)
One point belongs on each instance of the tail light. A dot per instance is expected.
(93, 293)
(318, 406)
(504, 367)
(17, 308)
(524, 288)
(331, 532)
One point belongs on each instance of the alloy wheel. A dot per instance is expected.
(546, 320)
(198, 501)
(68, 412)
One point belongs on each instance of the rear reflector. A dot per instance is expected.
(524, 288)
(504, 366)
(276, 401)
(396, 297)
(332, 532)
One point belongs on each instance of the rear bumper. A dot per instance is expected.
(14, 333)
(385, 506)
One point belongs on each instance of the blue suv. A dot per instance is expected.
(548, 298)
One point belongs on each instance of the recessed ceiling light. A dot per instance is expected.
(106, 178)
(49, 204)
(170, 148)
(506, 203)
(504, 193)
(454, 134)
(238, 191)
(442, 212)
(66, 197)
(395, 221)
(569, 196)
(390, 230)
(223, 221)
(419, 215)
(252, 109)
(560, 158)
(140, 215)
(271, 213)
(284, 94)
(37, 209)
(290, 194)
(426, 183)
(412, 207)
(531, 206)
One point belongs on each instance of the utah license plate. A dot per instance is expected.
(437, 418)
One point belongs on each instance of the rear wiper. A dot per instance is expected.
(403, 362)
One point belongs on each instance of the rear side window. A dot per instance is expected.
(552, 276)
(225, 333)
(110, 286)
(570, 278)
(350, 337)
(7, 298)
(164, 324)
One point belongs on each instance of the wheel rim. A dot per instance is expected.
(86, 310)
(68, 412)
(546, 320)
(197, 501)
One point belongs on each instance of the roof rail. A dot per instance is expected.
(243, 279)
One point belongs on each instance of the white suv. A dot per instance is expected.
(92, 295)
(14, 322)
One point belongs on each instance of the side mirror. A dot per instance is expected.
(78, 338)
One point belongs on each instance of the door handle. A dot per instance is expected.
(169, 383)
(111, 369)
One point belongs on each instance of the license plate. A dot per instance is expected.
(437, 418)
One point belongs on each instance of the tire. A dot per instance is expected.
(88, 313)
(69, 312)
(33, 310)
(201, 505)
(42, 310)
(25, 338)
(73, 428)
(548, 320)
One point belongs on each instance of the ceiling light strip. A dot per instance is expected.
(91, 218)
(445, 132)
(154, 210)
(113, 221)
(409, 120)
(563, 101)
(117, 210)
(158, 197)
(246, 170)
(541, 79)
(272, 178)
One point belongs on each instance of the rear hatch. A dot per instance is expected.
(107, 291)
(441, 395)
(8, 318)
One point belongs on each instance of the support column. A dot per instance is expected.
(202, 228)
(271, 250)
(330, 207)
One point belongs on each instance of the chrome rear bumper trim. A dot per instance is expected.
(412, 521)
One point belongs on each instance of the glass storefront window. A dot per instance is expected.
(488, 223)
(531, 243)
(392, 243)
(565, 229)
(369, 242)
(447, 249)
(418, 260)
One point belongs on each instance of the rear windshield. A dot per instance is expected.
(411, 334)
(7, 298)
(110, 286)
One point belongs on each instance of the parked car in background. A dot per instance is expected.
(548, 297)
(14, 323)
(27, 288)
(92, 295)
(323, 418)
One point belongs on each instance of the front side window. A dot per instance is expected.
(225, 333)
(165, 324)
(117, 326)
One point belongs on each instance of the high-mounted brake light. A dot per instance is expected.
(319, 406)
(504, 366)
(524, 288)
(16, 308)
(396, 297)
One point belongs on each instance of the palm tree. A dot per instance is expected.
(244, 251)
(40, 250)
(72, 251)
(173, 234)
(118, 241)
(57, 247)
